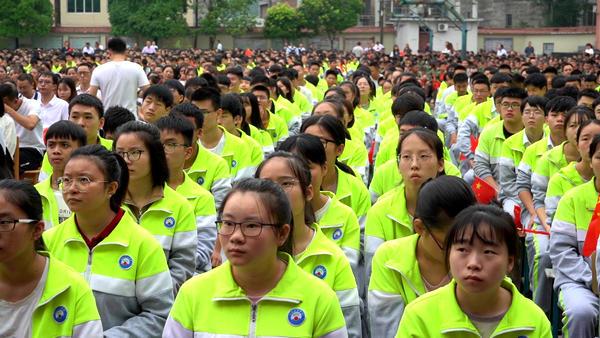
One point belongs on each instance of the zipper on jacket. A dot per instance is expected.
(252, 331)
(88, 269)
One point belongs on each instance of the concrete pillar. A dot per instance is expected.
(474, 10)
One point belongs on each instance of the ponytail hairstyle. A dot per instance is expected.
(112, 166)
(336, 129)
(307, 146)
(275, 202)
(301, 171)
(443, 196)
(25, 197)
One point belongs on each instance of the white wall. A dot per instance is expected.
(408, 32)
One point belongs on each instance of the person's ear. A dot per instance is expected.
(419, 226)
(188, 151)
(511, 264)
(38, 230)
(101, 123)
(112, 188)
(339, 150)
(282, 234)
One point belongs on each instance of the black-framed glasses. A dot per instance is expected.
(132, 155)
(81, 182)
(172, 146)
(324, 141)
(7, 225)
(227, 227)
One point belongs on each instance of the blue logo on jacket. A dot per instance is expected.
(233, 163)
(320, 271)
(337, 234)
(125, 262)
(200, 180)
(60, 314)
(296, 317)
(169, 222)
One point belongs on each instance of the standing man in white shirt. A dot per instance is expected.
(53, 109)
(118, 79)
(88, 49)
(28, 125)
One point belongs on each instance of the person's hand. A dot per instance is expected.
(530, 223)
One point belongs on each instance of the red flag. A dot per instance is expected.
(593, 231)
(517, 213)
(484, 192)
(474, 143)
(371, 152)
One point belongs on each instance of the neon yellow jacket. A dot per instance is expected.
(352, 192)
(127, 272)
(437, 314)
(325, 260)
(49, 203)
(254, 149)
(204, 209)
(356, 156)
(277, 128)
(211, 172)
(395, 282)
(546, 166)
(387, 176)
(339, 223)
(388, 219)
(561, 182)
(171, 221)
(263, 138)
(67, 307)
(214, 305)
(234, 152)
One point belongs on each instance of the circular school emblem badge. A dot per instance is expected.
(60, 314)
(233, 163)
(320, 271)
(337, 234)
(296, 317)
(169, 222)
(125, 262)
(200, 180)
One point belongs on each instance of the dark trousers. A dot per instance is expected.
(29, 159)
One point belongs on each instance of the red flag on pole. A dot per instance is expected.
(484, 192)
(593, 231)
(474, 143)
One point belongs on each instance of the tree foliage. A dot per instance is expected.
(148, 18)
(283, 22)
(563, 13)
(25, 18)
(330, 17)
(228, 16)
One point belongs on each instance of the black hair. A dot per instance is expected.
(514, 93)
(427, 136)
(536, 101)
(307, 146)
(223, 80)
(443, 195)
(461, 78)
(550, 70)
(112, 166)
(594, 145)
(66, 129)
(481, 79)
(558, 81)
(178, 125)
(188, 109)
(407, 102)
(569, 91)
(261, 88)
(537, 80)
(595, 103)
(405, 88)
(560, 104)
(24, 196)
(312, 79)
(71, 84)
(588, 93)
(501, 78)
(237, 71)
(26, 77)
(274, 200)
(8, 90)
(88, 101)
(583, 113)
(208, 94)
(161, 93)
(117, 45)
(288, 84)
(490, 224)
(584, 124)
(369, 81)
(301, 171)
(255, 118)
(355, 92)
(175, 85)
(116, 116)
(150, 136)
(334, 127)
(421, 119)
(337, 106)
(210, 80)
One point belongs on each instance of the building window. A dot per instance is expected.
(83, 6)
(508, 20)
(548, 48)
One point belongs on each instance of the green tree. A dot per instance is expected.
(147, 18)
(563, 13)
(283, 22)
(25, 18)
(330, 17)
(227, 16)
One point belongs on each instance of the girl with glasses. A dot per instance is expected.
(122, 262)
(406, 268)
(259, 290)
(312, 251)
(153, 204)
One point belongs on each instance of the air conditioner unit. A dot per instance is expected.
(442, 27)
(260, 22)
